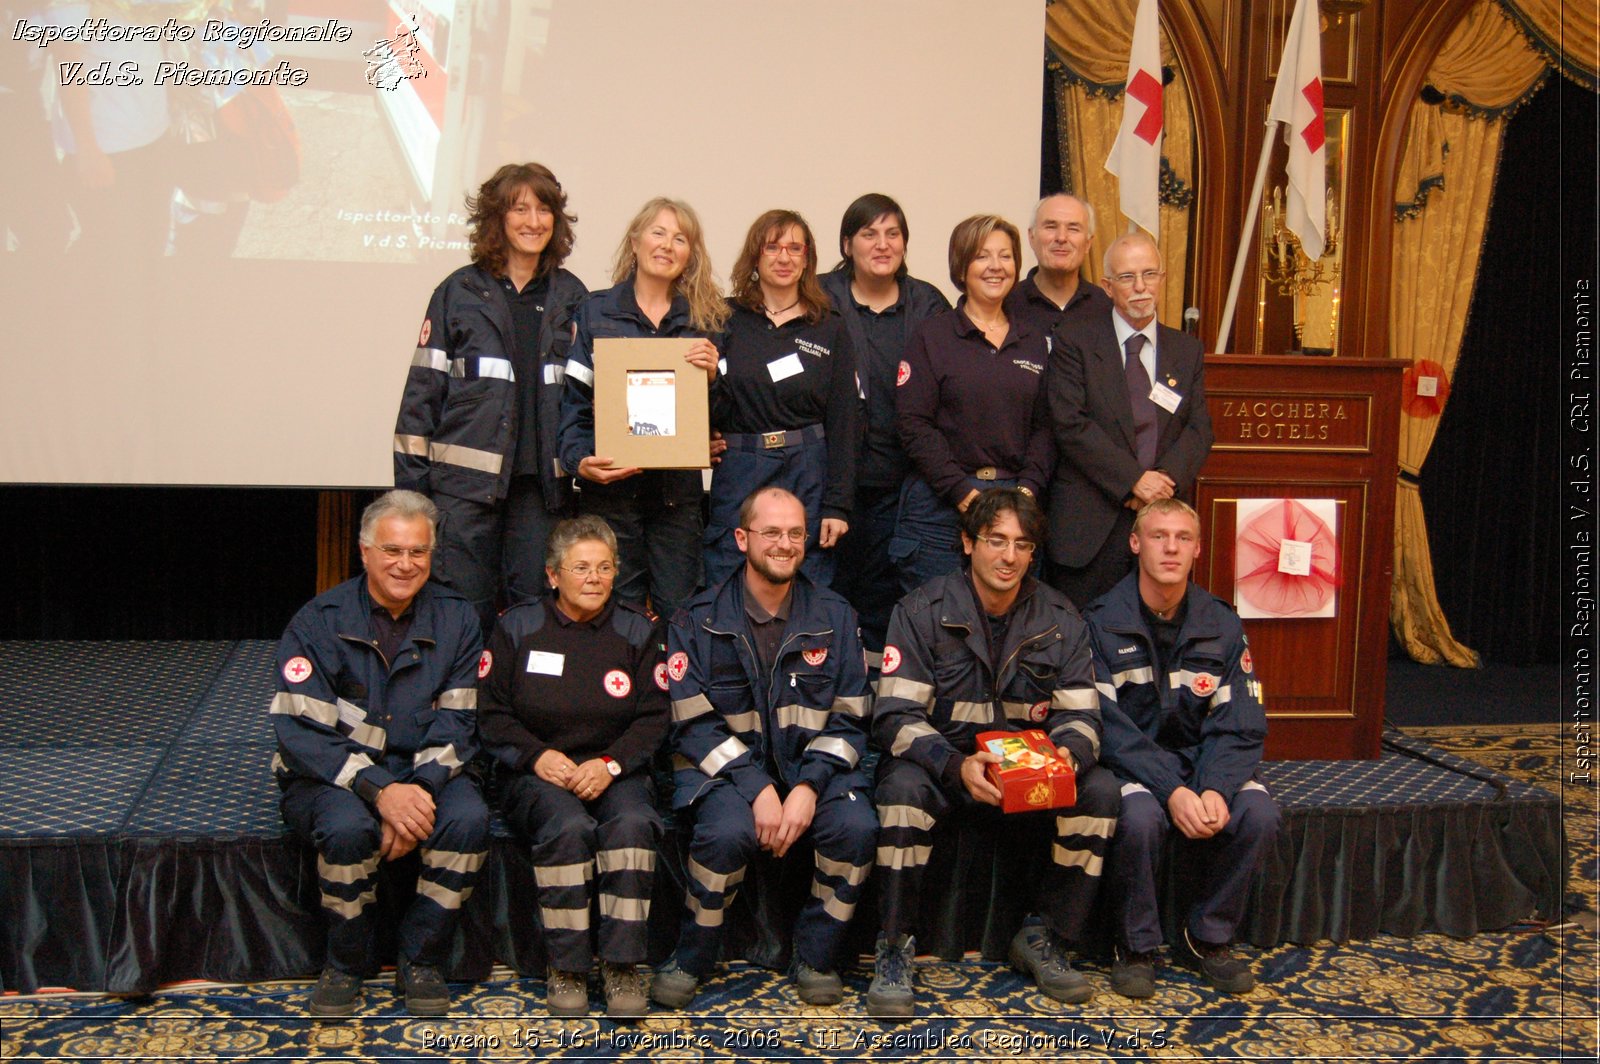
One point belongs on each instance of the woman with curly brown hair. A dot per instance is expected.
(478, 420)
(787, 401)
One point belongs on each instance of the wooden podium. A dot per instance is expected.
(1291, 427)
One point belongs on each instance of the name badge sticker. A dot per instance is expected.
(1165, 397)
(545, 663)
(784, 368)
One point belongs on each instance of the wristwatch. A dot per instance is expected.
(611, 765)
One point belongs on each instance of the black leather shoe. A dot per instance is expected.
(1133, 975)
(1216, 962)
(423, 988)
(337, 994)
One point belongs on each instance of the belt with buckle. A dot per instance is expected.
(775, 440)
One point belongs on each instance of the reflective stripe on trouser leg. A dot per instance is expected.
(561, 842)
(451, 858)
(723, 842)
(909, 804)
(627, 836)
(1078, 853)
(346, 834)
(844, 835)
(1231, 859)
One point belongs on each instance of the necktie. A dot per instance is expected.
(1144, 411)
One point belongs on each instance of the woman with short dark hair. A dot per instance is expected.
(881, 305)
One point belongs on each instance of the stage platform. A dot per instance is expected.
(140, 842)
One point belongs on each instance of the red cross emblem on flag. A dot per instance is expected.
(903, 374)
(661, 675)
(485, 663)
(815, 657)
(1314, 133)
(1203, 684)
(617, 684)
(296, 670)
(891, 659)
(1147, 90)
(678, 665)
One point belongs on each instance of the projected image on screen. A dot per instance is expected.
(223, 219)
(330, 130)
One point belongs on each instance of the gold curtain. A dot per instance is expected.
(1091, 39)
(1443, 195)
(1566, 33)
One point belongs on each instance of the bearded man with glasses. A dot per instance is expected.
(987, 648)
(769, 723)
(375, 716)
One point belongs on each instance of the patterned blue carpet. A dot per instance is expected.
(190, 762)
(1524, 994)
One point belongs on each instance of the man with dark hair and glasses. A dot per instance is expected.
(769, 723)
(375, 718)
(987, 648)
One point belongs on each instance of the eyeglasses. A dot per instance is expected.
(998, 544)
(772, 250)
(394, 552)
(1149, 277)
(774, 535)
(583, 570)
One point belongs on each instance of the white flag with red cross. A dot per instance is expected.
(1136, 156)
(1297, 103)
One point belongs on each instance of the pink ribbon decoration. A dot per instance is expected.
(1256, 550)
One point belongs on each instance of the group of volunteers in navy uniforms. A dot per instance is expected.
(877, 508)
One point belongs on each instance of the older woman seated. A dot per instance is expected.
(573, 700)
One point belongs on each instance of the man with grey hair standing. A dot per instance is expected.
(1126, 404)
(375, 717)
(1060, 236)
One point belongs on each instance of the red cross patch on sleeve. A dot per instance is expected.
(678, 666)
(891, 659)
(297, 670)
(485, 663)
(903, 374)
(661, 675)
(617, 684)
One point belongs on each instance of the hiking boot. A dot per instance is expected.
(673, 987)
(1035, 951)
(337, 994)
(624, 992)
(891, 996)
(423, 988)
(1133, 974)
(817, 988)
(566, 993)
(1216, 962)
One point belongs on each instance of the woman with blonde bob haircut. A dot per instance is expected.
(662, 287)
(787, 402)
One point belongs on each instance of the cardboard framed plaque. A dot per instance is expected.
(651, 408)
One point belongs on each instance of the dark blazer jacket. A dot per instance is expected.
(1086, 397)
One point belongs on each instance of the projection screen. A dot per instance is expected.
(186, 302)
